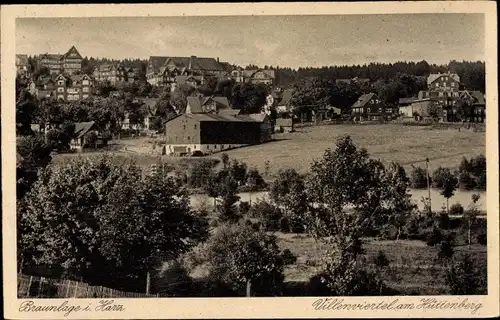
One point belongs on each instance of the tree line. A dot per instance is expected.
(472, 73)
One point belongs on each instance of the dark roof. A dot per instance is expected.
(478, 97)
(52, 56)
(81, 128)
(211, 117)
(156, 63)
(407, 100)
(183, 79)
(257, 117)
(72, 50)
(196, 103)
(434, 76)
(363, 100)
(196, 63)
(286, 96)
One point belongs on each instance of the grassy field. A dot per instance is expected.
(404, 144)
(412, 263)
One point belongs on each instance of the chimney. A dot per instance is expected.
(217, 59)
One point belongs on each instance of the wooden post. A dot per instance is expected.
(428, 184)
(29, 287)
(76, 289)
(147, 283)
(40, 284)
(249, 288)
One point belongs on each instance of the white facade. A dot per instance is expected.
(204, 148)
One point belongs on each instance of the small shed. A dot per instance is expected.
(284, 125)
(82, 137)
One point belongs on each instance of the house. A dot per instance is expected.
(162, 71)
(110, 72)
(266, 125)
(421, 108)
(70, 62)
(150, 104)
(476, 100)
(132, 74)
(193, 81)
(82, 138)
(200, 104)
(368, 107)
(209, 133)
(443, 82)
(254, 76)
(283, 104)
(73, 87)
(22, 65)
(284, 125)
(153, 73)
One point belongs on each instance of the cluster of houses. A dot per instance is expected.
(439, 101)
(171, 72)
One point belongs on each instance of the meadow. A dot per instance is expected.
(392, 142)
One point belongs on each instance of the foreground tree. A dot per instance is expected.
(346, 187)
(398, 207)
(288, 192)
(243, 258)
(448, 186)
(462, 277)
(91, 216)
(470, 217)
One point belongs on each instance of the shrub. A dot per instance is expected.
(481, 181)
(381, 260)
(418, 178)
(284, 225)
(444, 221)
(456, 209)
(244, 207)
(466, 181)
(462, 277)
(288, 257)
(445, 250)
(435, 237)
(173, 281)
(237, 254)
(481, 238)
(438, 177)
(268, 214)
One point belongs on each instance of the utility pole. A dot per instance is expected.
(428, 183)
(147, 282)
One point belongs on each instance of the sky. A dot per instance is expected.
(285, 41)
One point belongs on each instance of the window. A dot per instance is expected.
(367, 109)
(389, 110)
(440, 94)
(189, 138)
(184, 127)
(194, 127)
(453, 84)
(362, 110)
(85, 82)
(437, 84)
(85, 89)
(60, 82)
(208, 147)
(60, 89)
(379, 109)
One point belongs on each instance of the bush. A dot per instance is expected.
(462, 277)
(244, 207)
(481, 239)
(418, 178)
(173, 281)
(435, 237)
(380, 260)
(438, 177)
(456, 209)
(284, 225)
(466, 181)
(444, 221)
(268, 214)
(288, 257)
(445, 250)
(481, 181)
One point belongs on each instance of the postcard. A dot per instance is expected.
(250, 160)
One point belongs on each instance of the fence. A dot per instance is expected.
(40, 287)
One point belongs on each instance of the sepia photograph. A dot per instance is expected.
(251, 156)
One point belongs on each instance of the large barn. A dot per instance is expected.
(209, 133)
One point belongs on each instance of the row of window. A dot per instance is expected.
(444, 84)
(361, 110)
(73, 90)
